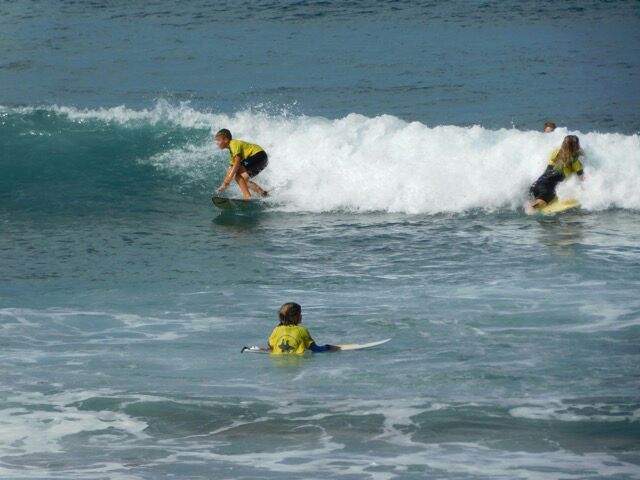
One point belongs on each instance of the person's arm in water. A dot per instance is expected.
(314, 347)
(323, 348)
(231, 173)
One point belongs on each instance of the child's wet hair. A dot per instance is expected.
(569, 150)
(224, 133)
(290, 314)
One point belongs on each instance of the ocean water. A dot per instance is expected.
(402, 138)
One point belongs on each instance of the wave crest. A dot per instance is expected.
(357, 163)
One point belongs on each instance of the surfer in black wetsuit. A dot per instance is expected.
(562, 164)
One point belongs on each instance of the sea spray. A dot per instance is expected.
(358, 163)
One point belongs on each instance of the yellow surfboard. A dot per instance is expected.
(558, 206)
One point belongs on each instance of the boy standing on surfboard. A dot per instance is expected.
(291, 337)
(247, 161)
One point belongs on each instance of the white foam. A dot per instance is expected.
(598, 317)
(33, 430)
(22, 321)
(598, 412)
(386, 164)
(323, 454)
(327, 457)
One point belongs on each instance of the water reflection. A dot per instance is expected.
(562, 233)
(290, 360)
(238, 221)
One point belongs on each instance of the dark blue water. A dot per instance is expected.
(402, 138)
(496, 64)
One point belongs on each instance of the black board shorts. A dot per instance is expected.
(545, 187)
(255, 163)
(543, 191)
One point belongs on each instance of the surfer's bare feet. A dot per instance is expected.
(535, 205)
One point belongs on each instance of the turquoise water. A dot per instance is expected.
(402, 140)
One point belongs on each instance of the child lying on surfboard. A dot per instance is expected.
(247, 161)
(562, 164)
(291, 337)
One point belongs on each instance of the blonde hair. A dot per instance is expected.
(290, 314)
(569, 151)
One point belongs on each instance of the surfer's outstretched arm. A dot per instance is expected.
(234, 172)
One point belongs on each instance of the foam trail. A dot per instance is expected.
(357, 163)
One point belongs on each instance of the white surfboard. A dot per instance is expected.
(255, 349)
(344, 346)
(360, 346)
